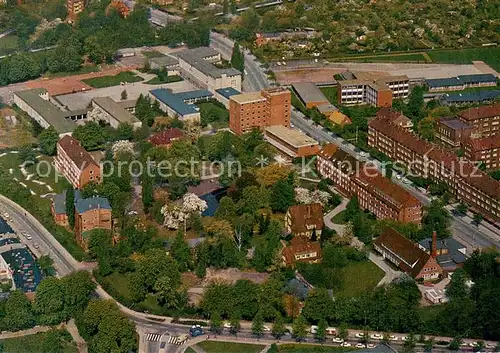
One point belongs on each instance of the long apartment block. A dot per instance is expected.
(468, 183)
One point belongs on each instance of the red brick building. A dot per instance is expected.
(74, 8)
(76, 164)
(301, 250)
(166, 137)
(376, 193)
(485, 119)
(269, 107)
(305, 220)
(91, 213)
(466, 181)
(453, 132)
(58, 209)
(485, 150)
(396, 117)
(407, 256)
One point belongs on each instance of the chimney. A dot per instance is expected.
(434, 245)
(308, 211)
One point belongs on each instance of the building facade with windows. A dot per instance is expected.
(292, 143)
(268, 107)
(301, 250)
(305, 221)
(76, 164)
(453, 132)
(91, 213)
(485, 119)
(485, 150)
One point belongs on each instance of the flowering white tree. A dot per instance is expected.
(305, 196)
(176, 214)
(122, 146)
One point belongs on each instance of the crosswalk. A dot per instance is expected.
(156, 337)
(153, 337)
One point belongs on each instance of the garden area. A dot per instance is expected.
(225, 347)
(330, 93)
(307, 348)
(159, 79)
(396, 58)
(8, 44)
(51, 341)
(115, 80)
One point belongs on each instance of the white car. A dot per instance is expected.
(370, 346)
(393, 338)
(359, 335)
(36, 245)
(346, 344)
(406, 181)
(227, 325)
(398, 176)
(266, 329)
(360, 345)
(313, 329)
(489, 346)
(473, 344)
(28, 236)
(338, 340)
(404, 338)
(376, 336)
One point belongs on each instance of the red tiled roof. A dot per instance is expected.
(400, 135)
(341, 159)
(306, 215)
(444, 157)
(76, 152)
(301, 246)
(387, 187)
(480, 180)
(165, 137)
(486, 143)
(481, 112)
(414, 258)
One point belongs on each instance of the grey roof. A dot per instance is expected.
(164, 60)
(479, 96)
(454, 255)
(308, 92)
(60, 203)
(91, 203)
(460, 80)
(327, 107)
(48, 111)
(227, 92)
(127, 103)
(198, 58)
(454, 123)
(177, 101)
(115, 110)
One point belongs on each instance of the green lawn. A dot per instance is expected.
(108, 81)
(8, 44)
(412, 57)
(229, 347)
(359, 277)
(309, 348)
(330, 93)
(168, 79)
(339, 218)
(296, 102)
(35, 343)
(118, 285)
(152, 54)
(490, 55)
(190, 350)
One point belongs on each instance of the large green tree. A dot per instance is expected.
(70, 206)
(237, 58)
(47, 140)
(90, 135)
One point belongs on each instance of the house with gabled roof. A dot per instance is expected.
(305, 220)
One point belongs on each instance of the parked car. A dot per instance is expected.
(363, 154)
(313, 329)
(266, 329)
(377, 336)
(370, 346)
(227, 325)
(359, 335)
(360, 345)
(338, 340)
(196, 331)
(393, 338)
(346, 344)
(36, 245)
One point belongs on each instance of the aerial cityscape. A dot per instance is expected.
(249, 176)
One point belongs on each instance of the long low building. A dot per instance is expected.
(310, 95)
(181, 104)
(36, 103)
(113, 113)
(375, 192)
(461, 82)
(292, 143)
(470, 97)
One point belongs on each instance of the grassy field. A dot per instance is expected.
(306, 348)
(490, 55)
(358, 277)
(35, 343)
(400, 58)
(108, 81)
(8, 44)
(339, 218)
(168, 79)
(330, 93)
(226, 347)
(190, 350)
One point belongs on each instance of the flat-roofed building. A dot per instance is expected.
(379, 92)
(485, 119)
(76, 164)
(453, 132)
(292, 143)
(36, 103)
(106, 109)
(181, 104)
(200, 65)
(478, 97)
(485, 150)
(269, 107)
(165, 62)
(310, 95)
(223, 95)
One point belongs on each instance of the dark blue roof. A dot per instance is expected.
(60, 203)
(177, 101)
(91, 203)
(227, 92)
(460, 80)
(212, 204)
(471, 96)
(8, 241)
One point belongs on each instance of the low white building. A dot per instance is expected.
(113, 113)
(436, 296)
